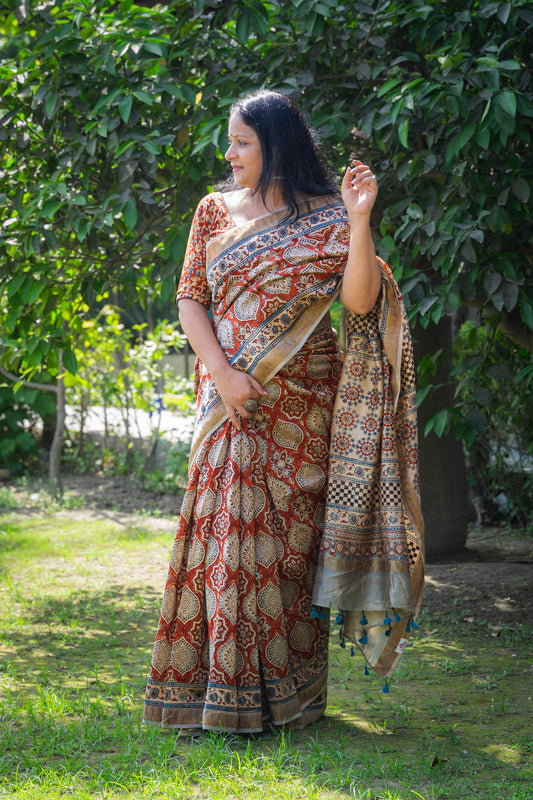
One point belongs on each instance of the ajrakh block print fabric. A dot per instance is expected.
(237, 646)
(371, 562)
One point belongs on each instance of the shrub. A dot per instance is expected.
(21, 424)
(495, 397)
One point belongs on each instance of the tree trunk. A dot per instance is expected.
(56, 450)
(443, 483)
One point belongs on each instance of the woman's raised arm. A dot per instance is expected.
(361, 281)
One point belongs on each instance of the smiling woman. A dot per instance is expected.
(244, 153)
(239, 645)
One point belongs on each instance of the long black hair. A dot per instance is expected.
(290, 156)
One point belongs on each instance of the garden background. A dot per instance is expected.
(113, 123)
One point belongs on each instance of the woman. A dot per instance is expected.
(238, 645)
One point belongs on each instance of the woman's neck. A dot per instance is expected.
(244, 206)
(273, 201)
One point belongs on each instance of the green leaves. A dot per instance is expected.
(125, 105)
(50, 208)
(95, 164)
(521, 189)
(506, 100)
(70, 361)
(403, 133)
(459, 141)
(51, 103)
(129, 214)
(114, 124)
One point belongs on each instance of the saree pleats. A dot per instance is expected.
(236, 645)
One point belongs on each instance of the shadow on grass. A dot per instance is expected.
(75, 633)
(101, 749)
(72, 717)
(75, 659)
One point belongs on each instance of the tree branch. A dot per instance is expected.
(510, 324)
(513, 327)
(46, 387)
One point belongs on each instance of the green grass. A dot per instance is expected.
(24, 497)
(79, 600)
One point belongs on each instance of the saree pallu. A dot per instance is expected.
(371, 561)
(237, 645)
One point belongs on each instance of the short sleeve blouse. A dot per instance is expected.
(210, 219)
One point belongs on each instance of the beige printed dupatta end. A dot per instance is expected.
(371, 561)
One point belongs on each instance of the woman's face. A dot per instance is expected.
(244, 152)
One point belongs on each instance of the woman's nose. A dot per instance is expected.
(229, 154)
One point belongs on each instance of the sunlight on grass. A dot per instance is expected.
(79, 604)
(504, 753)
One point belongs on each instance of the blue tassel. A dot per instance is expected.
(339, 619)
(387, 620)
(413, 623)
(408, 626)
(396, 617)
(363, 621)
(352, 650)
(343, 643)
(386, 688)
(364, 638)
(366, 672)
(389, 631)
(322, 613)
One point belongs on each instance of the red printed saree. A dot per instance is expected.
(237, 645)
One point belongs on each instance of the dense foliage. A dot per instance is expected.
(21, 419)
(492, 373)
(111, 114)
(113, 119)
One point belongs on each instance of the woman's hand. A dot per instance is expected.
(236, 388)
(359, 189)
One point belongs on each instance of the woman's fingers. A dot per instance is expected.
(242, 397)
(233, 416)
(257, 386)
(359, 188)
(251, 404)
(347, 179)
(361, 172)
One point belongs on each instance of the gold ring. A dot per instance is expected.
(250, 406)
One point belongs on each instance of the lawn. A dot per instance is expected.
(80, 593)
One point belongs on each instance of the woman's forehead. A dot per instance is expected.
(237, 127)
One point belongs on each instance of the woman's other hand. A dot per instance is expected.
(234, 386)
(359, 189)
